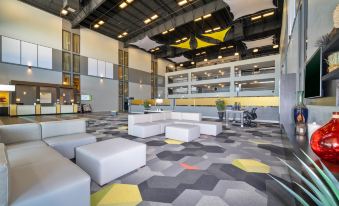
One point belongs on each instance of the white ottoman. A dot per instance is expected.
(209, 128)
(107, 160)
(183, 132)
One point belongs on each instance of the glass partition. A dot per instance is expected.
(255, 85)
(211, 88)
(66, 96)
(178, 90)
(211, 74)
(25, 95)
(255, 69)
(178, 78)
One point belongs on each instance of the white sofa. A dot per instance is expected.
(65, 136)
(147, 125)
(32, 173)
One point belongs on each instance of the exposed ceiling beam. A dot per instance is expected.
(91, 6)
(180, 20)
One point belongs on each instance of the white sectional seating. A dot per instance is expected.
(147, 125)
(32, 173)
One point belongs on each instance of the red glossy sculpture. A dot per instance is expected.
(325, 140)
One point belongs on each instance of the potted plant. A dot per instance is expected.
(220, 104)
(147, 105)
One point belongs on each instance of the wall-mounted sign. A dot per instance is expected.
(7, 88)
(86, 97)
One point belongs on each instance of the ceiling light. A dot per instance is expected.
(198, 19)
(255, 50)
(223, 48)
(101, 22)
(205, 60)
(171, 29)
(182, 2)
(255, 66)
(275, 46)
(219, 57)
(70, 9)
(96, 26)
(216, 28)
(129, 1)
(183, 39)
(203, 52)
(177, 41)
(155, 16)
(230, 46)
(164, 32)
(208, 30)
(207, 16)
(120, 36)
(152, 50)
(181, 65)
(236, 54)
(64, 12)
(255, 18)
(124, 34)
(197, 54)
(147, 21)
(156, 49)
(192, 62)
(123, 5)
(268, 14)
(236, 68)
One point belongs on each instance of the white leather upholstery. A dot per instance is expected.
(25, 145)
(183, 132)
(15, 133)
(65, 127)
(3, 176)
(52, 183)
(135, 119)
(164, 124)
(209, 128)
(107, 160)
(157, 117)
(176, 115)
(191, 116)
(147, 129)
(66, 144)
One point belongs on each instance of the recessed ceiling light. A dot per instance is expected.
(236, 68)
(219, 57)
(182, 2)
(164, 32)
(268, 14)
(223, 48)
(152, 50)
(147, 21)
(236, 54)
(203, 52)
(70, 9)
(120, 36)
(198, 19)
(230, 47)
(64, 12)
(181, 65)
(197, 54)
(205, 60)
(156, 49)
(155, 16)
(129, 1)
(177, 41)
(192, 63)
(208, 30)
(255, 66)
(96, 26)
(101, 22)
(255, 50)
(275, 46)
(184, 38)
(124, 34)
(256, 17)
(123, 5)
(172, 29)
(207, 16)
(216, 28)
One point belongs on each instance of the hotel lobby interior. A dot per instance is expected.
(169, 102)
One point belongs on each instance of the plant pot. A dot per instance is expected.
(325, 140)
(221, 115)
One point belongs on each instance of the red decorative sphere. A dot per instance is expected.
(325, 140)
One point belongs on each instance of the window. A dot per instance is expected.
(76, 43)
(66, 79)
(76, 63)
(25, 95)
(66, 61)
(66, 96)
(126, 58)
(121, 57)
(76, 82)
(66, 40)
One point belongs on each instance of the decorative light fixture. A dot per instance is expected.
(64, 12)
(268, 14)
(182, 2)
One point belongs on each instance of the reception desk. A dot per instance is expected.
(21, 110)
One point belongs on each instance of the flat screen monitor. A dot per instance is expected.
(313, 73)
(86, 97)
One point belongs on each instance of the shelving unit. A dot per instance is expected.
(331, 76)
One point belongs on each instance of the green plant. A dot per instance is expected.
(147, 104)
(220, 104)
(323, 189)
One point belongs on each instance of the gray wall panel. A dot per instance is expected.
(138, 76)
(57, 60)
(115, 72)
(83, 65)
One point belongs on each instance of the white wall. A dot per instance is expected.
(139, 59)
(104, 93)
(320, 21)
(139, 91)
(162, 64)
(98, 46)
(21, 21)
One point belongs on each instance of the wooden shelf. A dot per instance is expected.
(331, 76)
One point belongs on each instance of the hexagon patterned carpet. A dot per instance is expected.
(229, 169)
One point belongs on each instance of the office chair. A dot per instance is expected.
(249, 117)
